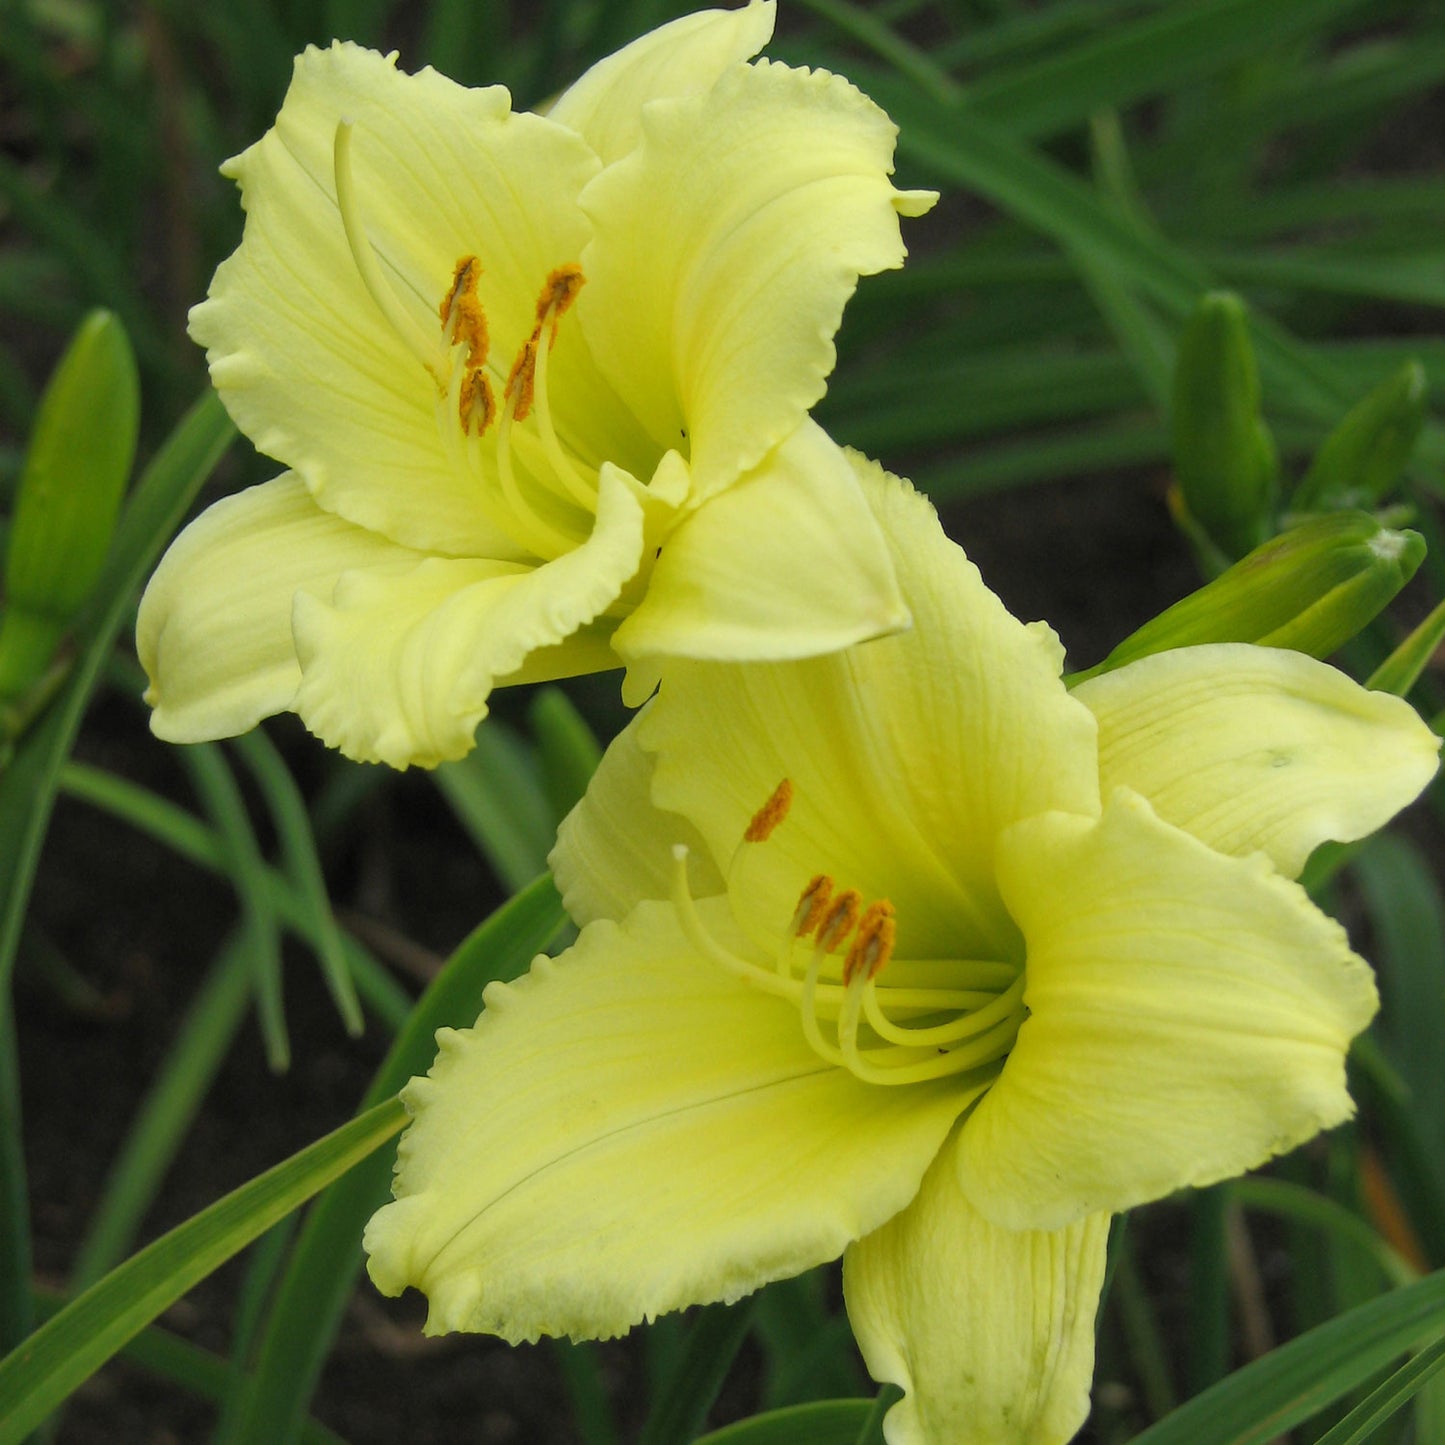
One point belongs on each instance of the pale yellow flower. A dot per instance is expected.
(993, 963)
(542, 384)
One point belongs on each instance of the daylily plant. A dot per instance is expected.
(912, 955)
(542, 384)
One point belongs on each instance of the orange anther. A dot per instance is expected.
(461, 312)
(558, 293)
(838, 923)
(767, 818)
(873, 943)
(475, 403)
(812, 904)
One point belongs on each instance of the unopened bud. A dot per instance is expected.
(1361, 461)
(80, 455)
(1311, 589)
(1224, 457)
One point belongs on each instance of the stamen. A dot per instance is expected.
(978, 1021)
(812, 904)
(873, 946)
(461, 312)
(767, 818)
(364, 258)
(536, 534)
(838, 922)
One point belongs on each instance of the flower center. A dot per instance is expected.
(886, 1021)
(530, 484)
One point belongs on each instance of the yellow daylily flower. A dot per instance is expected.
(911, 955)
(542, 386)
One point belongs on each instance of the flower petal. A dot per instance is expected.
(630, 1130)
(614, 849)
(1190, 1014)
(787, 563)
(1258, 748)
(214, 628)
(722, 303)
(907, 754)
(300, 351)
(397, 666)
(605, 105)
(989, 1331)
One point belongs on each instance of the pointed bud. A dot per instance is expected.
(1362, 459)
(1224, 456)
(1311, 589)
(80, 455)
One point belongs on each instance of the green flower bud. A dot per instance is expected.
(1311, 589)
(80, 456)
(1224, 455)
(1362, 459)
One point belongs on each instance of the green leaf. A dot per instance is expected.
(261, 933)
(1288, 1385)
(323, 1267)
(1401, 670)
(1383, 1401)
(16, 1318)
(716, 1335)
(303, 867)
(498, 798)
(171, 1103)
(1128, 61)
(567, 748)
(27, 785)
(179, 1362)
(824, 1422)
(66, 1350)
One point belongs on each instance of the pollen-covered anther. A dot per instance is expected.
(767, 818)
(462, 317)
(476, 405)
(558, 293)
(837, 922)
(873, 943)
(812, 904)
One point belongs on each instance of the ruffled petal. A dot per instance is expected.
(1190, 1015)
(989, 1331)
(605, 105)
(214, 628)
(722, 303)
(397, 665)
(614, 849)
(1258, 748)
(787, 563)
(301, 353)
(907, 755)
(630, 1130)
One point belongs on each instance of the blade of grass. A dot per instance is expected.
(567, 749)
(498, 798)
(261, 931)
(1385, 1399)
(303, 866)
(179, 1362)
(16, 1316)
(189, 837)
(1129, 61)
(716, 1336)
(1294, 1201)
(67, 1349)
(323, 1267)
(27, 785)
(171, 1102)
(1288, 1385)
(871, 1430)
(824, 1422)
